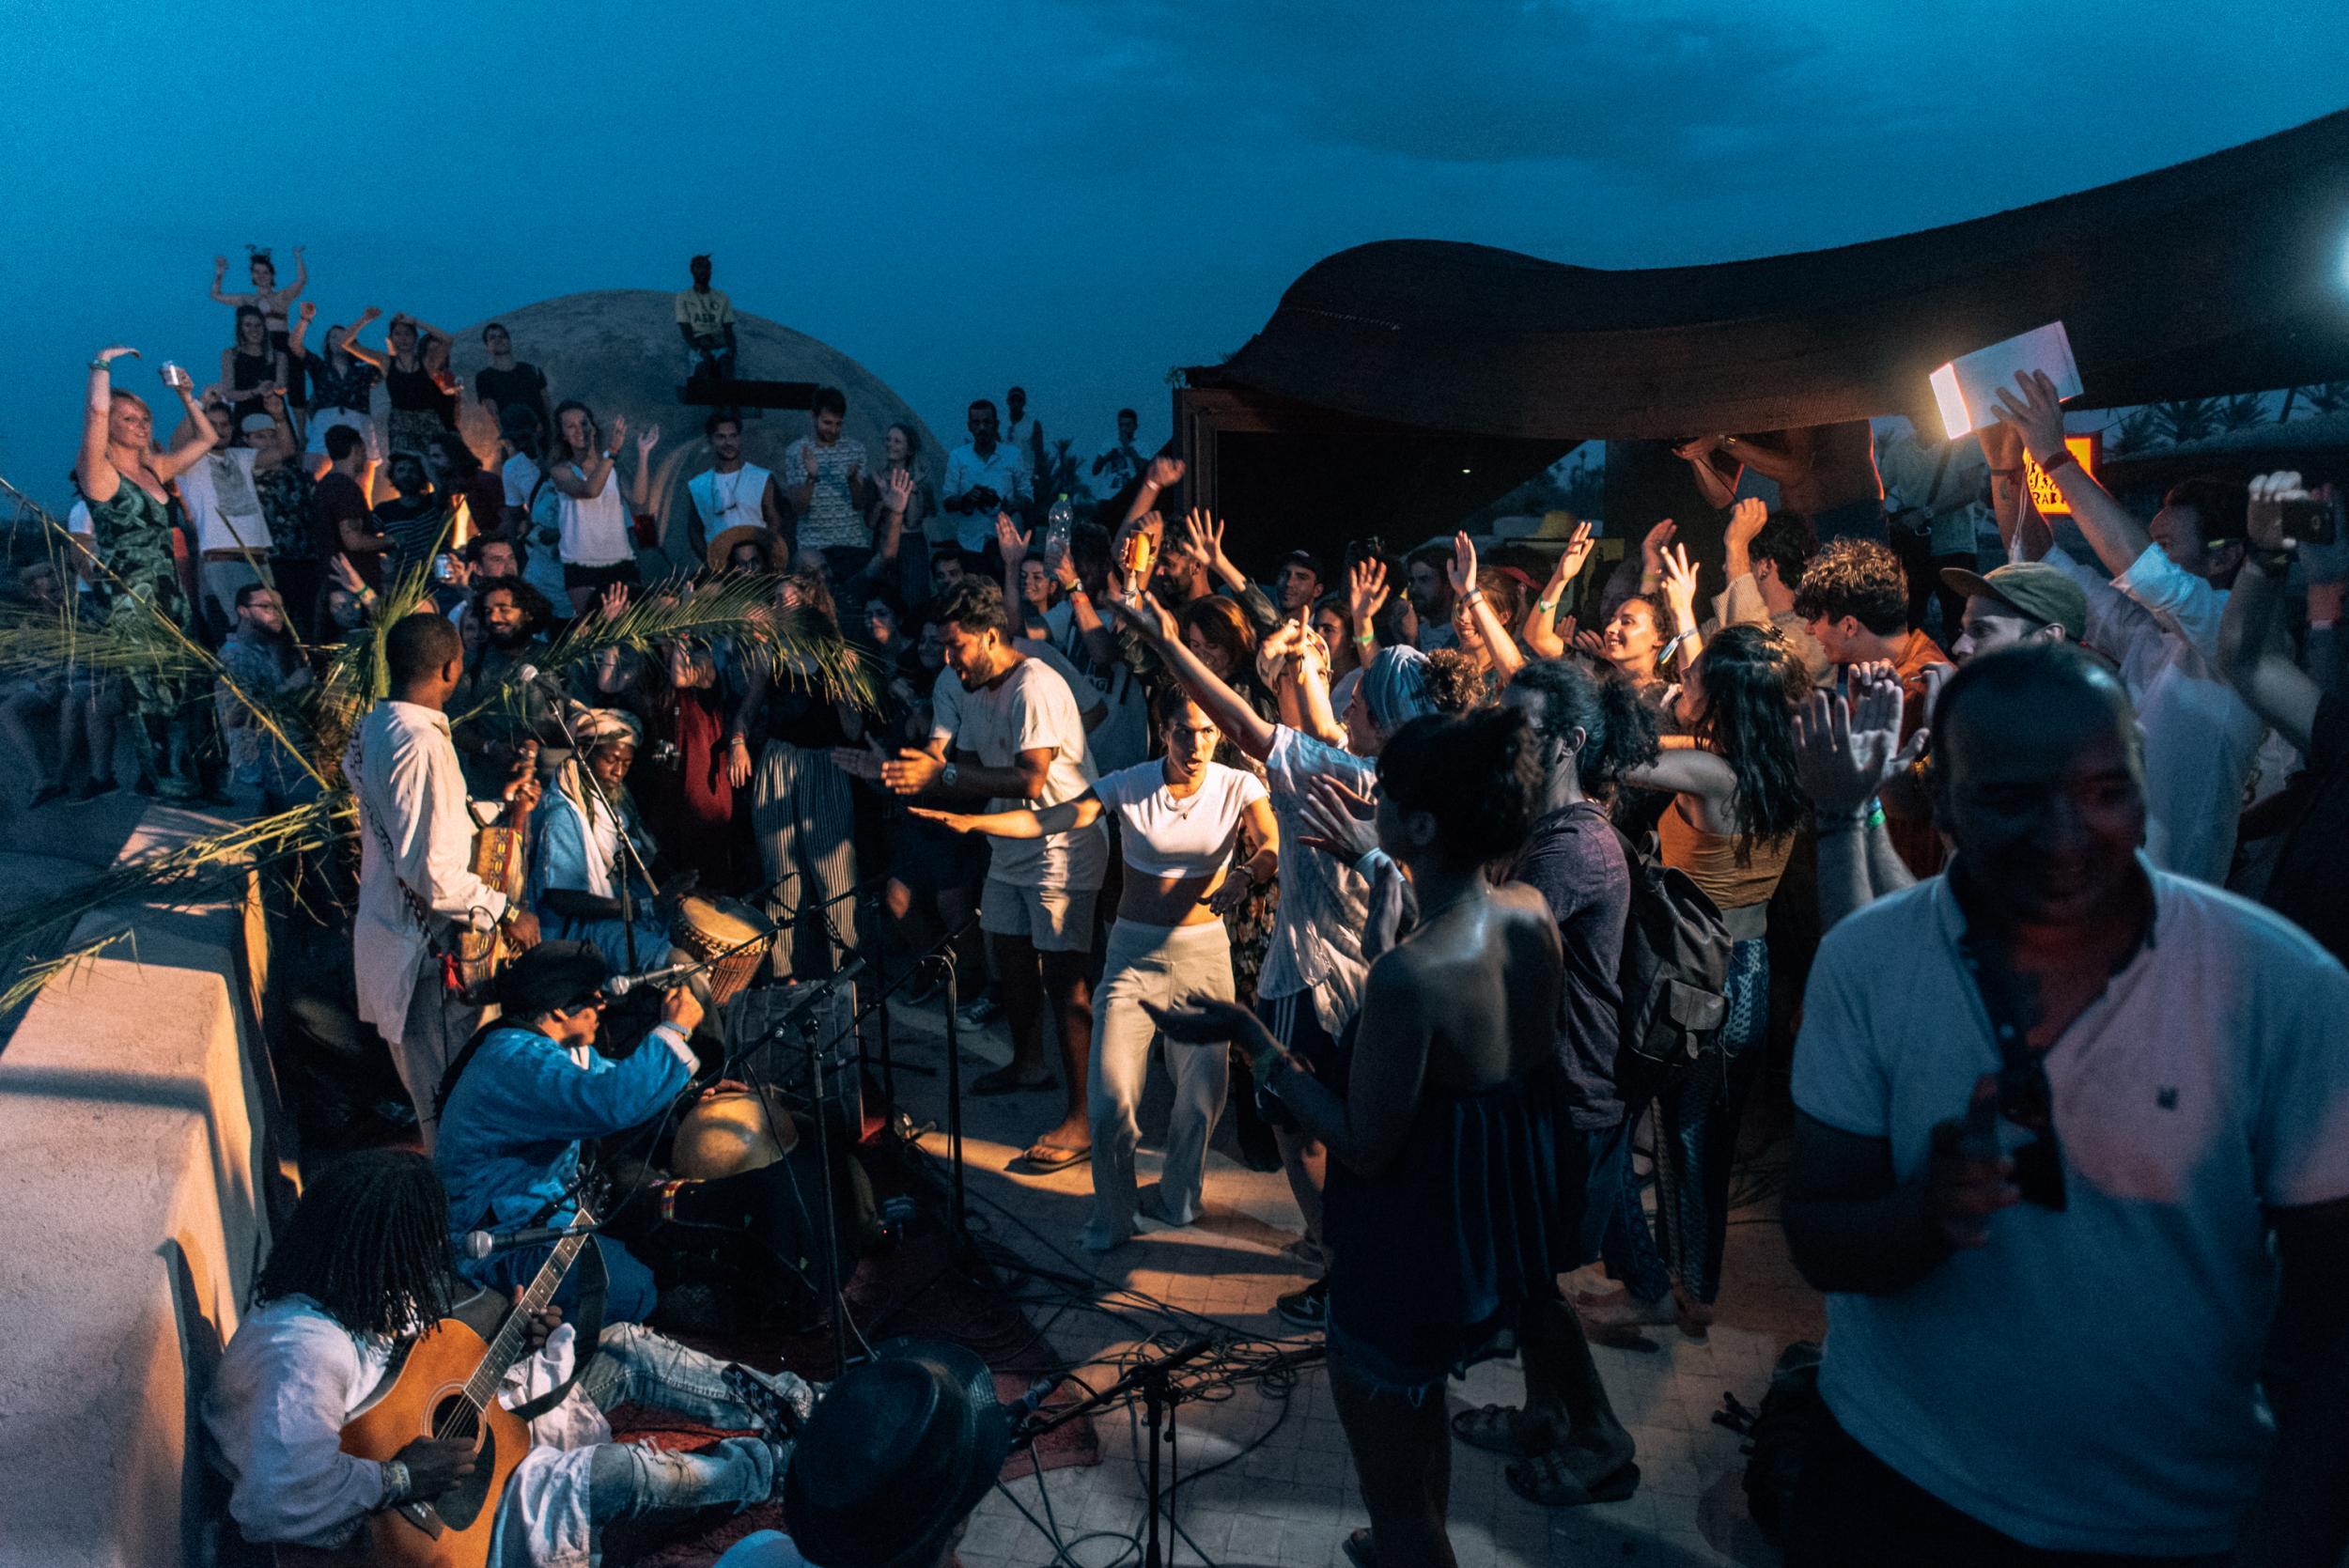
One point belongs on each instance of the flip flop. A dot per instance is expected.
(1552, 1479)
(1359, 1551)
(1003, 1082)
(1052, 1157)
(1499, 1429)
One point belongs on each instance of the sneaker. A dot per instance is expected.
(978, 1012)
(1307, 1309)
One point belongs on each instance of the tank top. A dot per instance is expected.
(595, 530)
(1710, 860)
(729, 500)
(412, 391)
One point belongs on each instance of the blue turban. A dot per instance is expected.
(1394, 689)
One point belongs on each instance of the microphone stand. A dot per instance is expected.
(558, 704)
(1154, 1381)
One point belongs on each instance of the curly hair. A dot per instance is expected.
(1475, 773)
(1857, 578)
(369, 1244)
(1456, 681)
(1787, 542)
(974, 605)
(1753, 681)
(1618, 729)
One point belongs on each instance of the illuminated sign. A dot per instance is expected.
(2087, 451)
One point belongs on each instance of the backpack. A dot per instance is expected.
(1675, 964)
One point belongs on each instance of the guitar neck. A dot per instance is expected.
(513, 1339)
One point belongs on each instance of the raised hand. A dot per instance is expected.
(1845, 750)
(1652, 547)
(1337, 820)
(614, 603)
(346, 576)
(619, 430)
(1165, 473)
(1744, 521)
(2263, 515)
(646, 439)
(1591, 642)
(1698, 450)
(1366, 591)
(1680, 585)
(2001, 444)
(1570, 563)
(114, 351)
(897, 494)
(1140, 607)
(307, 314)
(1011, 541)
(220, 268)
(2033, 409)
(1461, 569)
(1204, 532)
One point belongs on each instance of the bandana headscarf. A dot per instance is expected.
(1394, 689)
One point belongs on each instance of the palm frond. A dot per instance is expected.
(37, 976)
(738, 609)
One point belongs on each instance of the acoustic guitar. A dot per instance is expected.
(446, 1386)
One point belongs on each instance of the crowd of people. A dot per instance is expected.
(1396, 846)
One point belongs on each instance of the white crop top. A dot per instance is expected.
(1167, 837)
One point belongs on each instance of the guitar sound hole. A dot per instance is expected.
(460, 1505)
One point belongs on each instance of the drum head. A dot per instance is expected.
(725, 1133)
(726, 922)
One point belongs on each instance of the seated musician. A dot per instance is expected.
(361, 1265)
(525, 1094)
(578, 863)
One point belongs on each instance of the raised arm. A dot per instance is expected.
(1101, 643)
(2112, 529)
(2252, 647)
(381, 360)
(639, 487)
(1844, 754)
(94, 470)
(1366, 593)
(1232, 713)
(1539, 632)
(1680, 592)
(1687, 770)
(302, 277)
(587, 482)
(1499, 646)
(220, 275)
(1162, 474)
(194, 442)
(1705, 459)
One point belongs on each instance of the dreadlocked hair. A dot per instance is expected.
(369, 1244)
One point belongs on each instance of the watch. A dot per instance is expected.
(395, 1482)
(951, 776)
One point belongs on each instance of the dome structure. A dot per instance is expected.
(617, 351)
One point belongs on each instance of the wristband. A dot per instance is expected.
(1474, 596)
(2275, 562)
(2055, 459)
(101, 365)
(2008, 473)
(1367, 639)
(1547, 606)
(1366, 864)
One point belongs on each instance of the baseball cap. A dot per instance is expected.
(2031, 588)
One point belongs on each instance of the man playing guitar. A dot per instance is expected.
(356, 1283)
(417, 891)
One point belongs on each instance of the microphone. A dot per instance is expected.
(620, 985)
(482, 1244)
(530, 675)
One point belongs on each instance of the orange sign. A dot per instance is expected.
(2087, 451)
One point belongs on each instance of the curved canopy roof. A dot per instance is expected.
(2227, 273)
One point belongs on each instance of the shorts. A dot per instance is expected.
(1054, 920)
(324, 420)
(1296, 1024)
(600, 578)
(1594, 1155)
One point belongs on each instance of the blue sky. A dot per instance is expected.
(1076, 194)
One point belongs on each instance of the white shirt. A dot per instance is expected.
(524, 492)
(221, 502)
(1316, 943)
(1163, 836)
(2085, 1381)
(292, 1377)
(726, 501)
(831, 516)
(1123, 739)
(405, 778)
(1031, 708)
(594, 528)
(1000, 470)
(2160, 624)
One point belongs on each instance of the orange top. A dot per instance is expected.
(1711, 861)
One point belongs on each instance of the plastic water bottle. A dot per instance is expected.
(1062, 519)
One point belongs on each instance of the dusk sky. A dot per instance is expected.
(1073, 196)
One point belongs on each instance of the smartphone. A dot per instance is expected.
(443, 566)
(2308, 521)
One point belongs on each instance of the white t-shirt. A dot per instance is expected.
(543, 571)
(595, 530)
(2086, 1382)
(1031, 708)
(946, 694)
(1123, 739)
(1163, 836)
(221, 502)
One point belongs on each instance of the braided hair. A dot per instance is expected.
(369, 1244)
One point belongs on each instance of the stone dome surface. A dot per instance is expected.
(618, 351)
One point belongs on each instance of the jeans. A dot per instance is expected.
(804, 819)
(634, 1365)
(1697, 1114)
(1164, 965)
(626, 1481)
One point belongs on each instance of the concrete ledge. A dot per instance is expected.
(135, 1164)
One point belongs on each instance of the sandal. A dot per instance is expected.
(1359, 1551)
(1552, 1479)
(1004, 1080)
(1504, 1429)
(1052, 1157)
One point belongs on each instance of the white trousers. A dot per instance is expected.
(1166, 966)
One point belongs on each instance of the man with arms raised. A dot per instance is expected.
(416, 886)
(2069, 1166)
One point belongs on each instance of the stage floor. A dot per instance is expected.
(1291, 1499)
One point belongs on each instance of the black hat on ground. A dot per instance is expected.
(898, 1454)
(548, 978)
